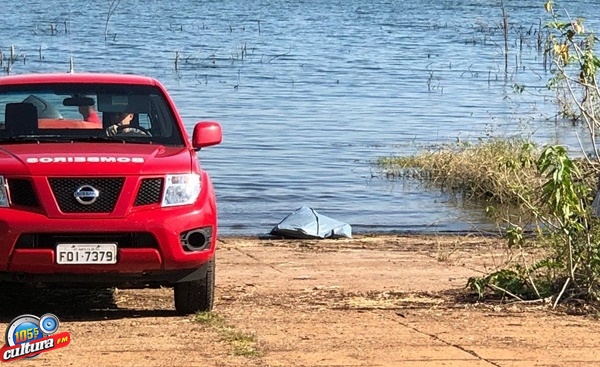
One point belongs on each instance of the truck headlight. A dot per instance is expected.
(181, 189)
(3, 193)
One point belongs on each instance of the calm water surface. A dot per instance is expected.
(310, 93)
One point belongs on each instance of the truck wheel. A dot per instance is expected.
(197, 295)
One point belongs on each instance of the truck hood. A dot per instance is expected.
(91, 159)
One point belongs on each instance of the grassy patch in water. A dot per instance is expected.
(492, 170)
(497, 171)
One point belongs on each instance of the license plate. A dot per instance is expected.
(73, 253)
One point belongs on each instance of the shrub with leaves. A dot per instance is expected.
(567, 226)
(570, 262)
(574, 70)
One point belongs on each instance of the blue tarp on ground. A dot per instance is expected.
(305, 222)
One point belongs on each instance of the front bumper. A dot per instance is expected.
(166, 260)
(145, 279)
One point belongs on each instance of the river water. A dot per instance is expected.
(311, 92)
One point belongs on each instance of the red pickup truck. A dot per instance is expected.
(101, 186)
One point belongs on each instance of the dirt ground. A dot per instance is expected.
(366, 301)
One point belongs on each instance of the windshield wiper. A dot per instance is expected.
(109, 139)
(72, 139)
(33, 138)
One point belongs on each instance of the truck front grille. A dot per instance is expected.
(64, 191)
(22, 193)
(122, 239)
(150, 191)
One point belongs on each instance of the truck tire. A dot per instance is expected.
(197, 295)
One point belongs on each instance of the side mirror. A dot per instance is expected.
(206, 133)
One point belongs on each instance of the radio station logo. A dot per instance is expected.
(28, 336)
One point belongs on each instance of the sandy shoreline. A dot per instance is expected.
(374, 300)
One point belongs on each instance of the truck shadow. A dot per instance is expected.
(73, 305)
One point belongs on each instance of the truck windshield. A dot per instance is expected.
(90, 112)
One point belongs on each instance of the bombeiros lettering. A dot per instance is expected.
(87, 159)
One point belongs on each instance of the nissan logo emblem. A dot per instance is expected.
(86, 195)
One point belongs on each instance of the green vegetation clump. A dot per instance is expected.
(568, 267)
(554, 190)
(496, 170)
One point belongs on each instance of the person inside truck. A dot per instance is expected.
(118, 120)
(89, 114)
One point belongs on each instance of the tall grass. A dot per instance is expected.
(495, 170)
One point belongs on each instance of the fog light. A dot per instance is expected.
(197, 239)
